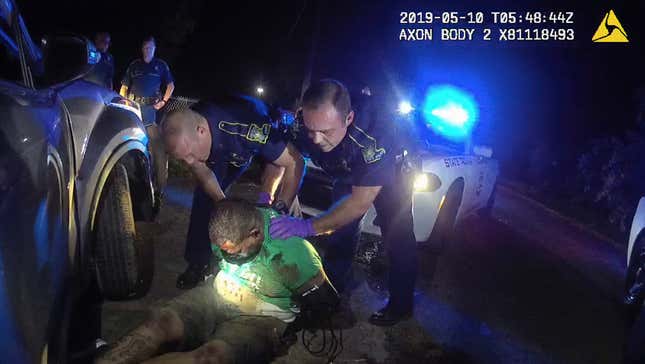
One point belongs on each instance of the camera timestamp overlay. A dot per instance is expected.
(487, 26)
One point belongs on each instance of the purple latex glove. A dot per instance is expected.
(264, 198)
(284, 227)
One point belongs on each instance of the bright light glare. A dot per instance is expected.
(421, 182)
(450, 111)
(453, 114)
(260, 90)
(405, 107)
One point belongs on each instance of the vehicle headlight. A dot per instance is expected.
(426, 182)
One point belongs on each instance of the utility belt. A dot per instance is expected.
(145, 100)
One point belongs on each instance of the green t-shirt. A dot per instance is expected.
(265, 285)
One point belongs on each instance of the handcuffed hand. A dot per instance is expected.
(284, 227)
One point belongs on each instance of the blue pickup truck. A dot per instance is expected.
(76, 196)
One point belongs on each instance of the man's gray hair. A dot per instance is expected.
(233, 220)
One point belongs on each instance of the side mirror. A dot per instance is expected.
(67, 58)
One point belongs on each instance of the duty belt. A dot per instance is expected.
(145, 100)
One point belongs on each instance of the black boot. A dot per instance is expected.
(194, 274)
(390, 315)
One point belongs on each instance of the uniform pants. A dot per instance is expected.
(394, 208)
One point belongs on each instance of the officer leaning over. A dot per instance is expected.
(218, 139)
(143, 82)
(364, 157)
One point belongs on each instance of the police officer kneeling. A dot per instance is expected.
(360, 154)
(240, 315)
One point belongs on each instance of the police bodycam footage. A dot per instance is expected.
(310, 181)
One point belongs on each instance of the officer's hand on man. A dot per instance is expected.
(284, 227)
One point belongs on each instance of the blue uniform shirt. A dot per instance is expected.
(241, 128)
(365, 157)
(146, 79)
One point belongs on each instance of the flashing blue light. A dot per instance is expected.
(405, 107)
(450, 111)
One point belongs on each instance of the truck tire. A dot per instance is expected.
(444, 228)
(123, 252)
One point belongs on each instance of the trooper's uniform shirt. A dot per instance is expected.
(368, 156)
(240, 130)
(146, 79)
(365, 157)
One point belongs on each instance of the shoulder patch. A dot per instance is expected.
(368, 144)
(258, 133)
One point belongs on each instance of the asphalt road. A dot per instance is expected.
(523, 286)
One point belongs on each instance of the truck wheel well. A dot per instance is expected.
(456, 189)
(140, 188)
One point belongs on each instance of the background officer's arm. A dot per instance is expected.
(288, 168)
(163, 102)
(125, 82)
(169, 90)
(206, 178)
(347, 210)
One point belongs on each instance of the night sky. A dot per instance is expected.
(559, 93)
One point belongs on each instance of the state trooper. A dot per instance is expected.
(364, 157)
(217, 139)
(143, 83)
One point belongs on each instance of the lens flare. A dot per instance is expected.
(450, 111)
(405, 107)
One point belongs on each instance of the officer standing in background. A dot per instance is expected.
(364, 157)
(143, 82)
(103, 72)
(217, 139)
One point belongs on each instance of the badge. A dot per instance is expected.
(367, 144)
(372, 154)
(258, 134)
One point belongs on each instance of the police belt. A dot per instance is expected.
(145, 100)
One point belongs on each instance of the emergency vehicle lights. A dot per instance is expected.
(405, 108)
(450, 111)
